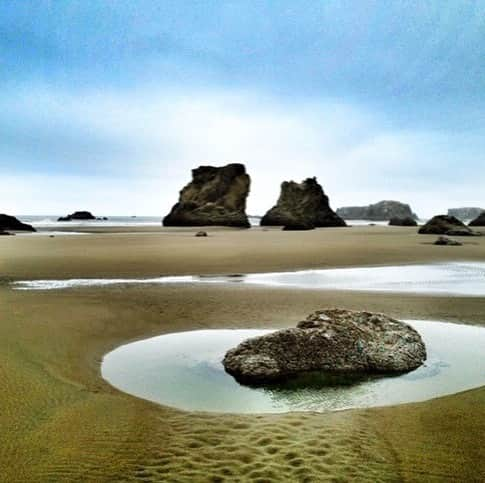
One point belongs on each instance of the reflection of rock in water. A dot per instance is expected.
(331, 341)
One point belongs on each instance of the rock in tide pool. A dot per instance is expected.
(302, 206)
(11, 223)
(478, 221)
(328, 341)
(405, 221)
(215, 196)
(78, 215)
(446, 225)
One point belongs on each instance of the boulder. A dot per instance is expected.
(11, 223)
(302, 206)
(446, 225)
(328, 341)
(445, 241)
(466, 213)
(381, 211)
(478, 221)
(201, 234)
(406, 221)
(215, 196)
(77, 215)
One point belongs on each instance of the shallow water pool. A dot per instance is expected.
(184, 370)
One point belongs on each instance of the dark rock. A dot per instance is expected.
(302, 206)
(445, 241)
(446, 225)
(201, 233)
(298, 227)
(406, 221)
(11, 223)
(466, 213)
(77, 215)
(329, 341)
(382, 211)
(215, 196)
(478, 221)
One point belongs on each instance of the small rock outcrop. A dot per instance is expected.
(302, 206)
(406, 221)
(381, 211)
(215, 196)
(331, 341)
(478, 221)
(446, 225)
(445, 241)
(11, 223)
(465, 213)
(201, 234)
(78, 215)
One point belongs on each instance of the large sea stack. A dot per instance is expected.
(302, 206)
(328, 341)
(446, 225)
(215, 196)
(13, 224)
(78, 215)
(465, 213)
(381, 211)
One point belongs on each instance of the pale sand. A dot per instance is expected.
(60, 421)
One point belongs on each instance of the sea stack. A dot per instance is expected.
(11, 223)
(381, 211)
(478, 221)
(78, 215)
(215, 196)
(302, 206)
(446, 225)
(328, 341)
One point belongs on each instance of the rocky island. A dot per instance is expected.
(465, 213)
(302, 206)
(11, 223)
(78, 215)
(381, 211)
(215, 196)
(446, 225)
(329, 341)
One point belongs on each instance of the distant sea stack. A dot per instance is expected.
(77, 215)
(478, 221)
(467, 213)
(215, 196)
(382, 211)
(302, 206)
(446, 225)
(11, 223)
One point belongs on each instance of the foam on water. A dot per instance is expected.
(184, 370)
(459, 278)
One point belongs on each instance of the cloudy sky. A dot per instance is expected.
(107, 106)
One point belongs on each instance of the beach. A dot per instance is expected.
(61, 421)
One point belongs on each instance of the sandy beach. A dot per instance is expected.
(60, 421)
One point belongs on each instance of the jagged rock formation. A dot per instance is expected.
(215, 196)
(382, 211)
(302, 206)
(478, 221)
(445, 241)
(465, 213)
(77, 215)
(11, 223)
(406, 221)
(331, 341)
(446, 225)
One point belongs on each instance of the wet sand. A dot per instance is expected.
(61, 422)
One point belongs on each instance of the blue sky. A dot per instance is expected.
(107, 105)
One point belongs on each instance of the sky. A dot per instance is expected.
(107, 106)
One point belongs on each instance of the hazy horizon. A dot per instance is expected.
(108, 107)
